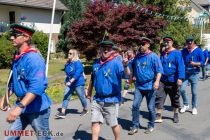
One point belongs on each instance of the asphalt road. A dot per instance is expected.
(75, 127)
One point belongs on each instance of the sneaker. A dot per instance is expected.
(184, 108)
(132, 131)
(84, 112)
(176, 118)
(149, 130)
(60, 115)
(158, 118)
(194, 111)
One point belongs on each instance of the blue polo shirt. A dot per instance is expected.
(173, 66)
(29, 76)
(75, 70)
(107, 80)
(145, 69)
(196, 56)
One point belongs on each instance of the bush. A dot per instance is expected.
(6, 51)
(40, 39)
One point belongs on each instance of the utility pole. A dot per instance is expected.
(50, 37)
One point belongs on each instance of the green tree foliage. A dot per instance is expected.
(40, 40)
(75, 13)
(6, 51)
(179, 29)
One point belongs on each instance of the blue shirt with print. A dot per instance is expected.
(29, 76)
(107, 80)
(173, 66)
(196, 56)
(75, 70)
(145, 69)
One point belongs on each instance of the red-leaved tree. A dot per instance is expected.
(123, 23)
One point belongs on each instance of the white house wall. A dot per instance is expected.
(39, 18)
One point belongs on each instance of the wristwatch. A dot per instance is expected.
(21, 105)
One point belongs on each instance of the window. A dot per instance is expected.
(12, 17)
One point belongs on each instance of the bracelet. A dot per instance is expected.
(125, 65)
(21, 105)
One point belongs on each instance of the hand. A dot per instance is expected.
(134, 78)
(127, 81)
(179, 82)
(125, 60)
(13, 114)
(68, 83)
(3, 104)
(88, 95)
(192, 63)
(156, 85)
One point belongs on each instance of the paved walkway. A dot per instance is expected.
(75, 127)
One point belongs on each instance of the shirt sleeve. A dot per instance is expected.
(78, 70)
(158, 65)
(181, 69)
(37, 81)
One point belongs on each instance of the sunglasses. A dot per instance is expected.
(17, 35)
(70, 53)
(106, 49)
(142, 43)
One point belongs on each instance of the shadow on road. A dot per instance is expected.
(83, 135)
(126, 124)
(69, 111)
(167, 107)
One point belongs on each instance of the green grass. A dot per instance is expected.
(56, 66)
(55, 88)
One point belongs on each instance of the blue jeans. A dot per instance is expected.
(80, 90)
(193, 79)
(150, 97)
(39, 122)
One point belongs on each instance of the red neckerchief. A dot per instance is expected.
(192, 49)
(109, 59)
(169, 51)
(144, 54)
(29, 49)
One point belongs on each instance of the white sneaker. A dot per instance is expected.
(184, 108)
(194, 111)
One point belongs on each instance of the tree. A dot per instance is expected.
(40, 40)
(76, 9)
(179, 29)
(6, 51)
(124, 24)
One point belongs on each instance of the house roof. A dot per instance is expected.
(43, 4)
(199, 6)
(202, 2)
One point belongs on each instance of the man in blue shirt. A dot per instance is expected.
(28, 82)
(147, 70)
(171, 80)
(107, 80)
(193, 59)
